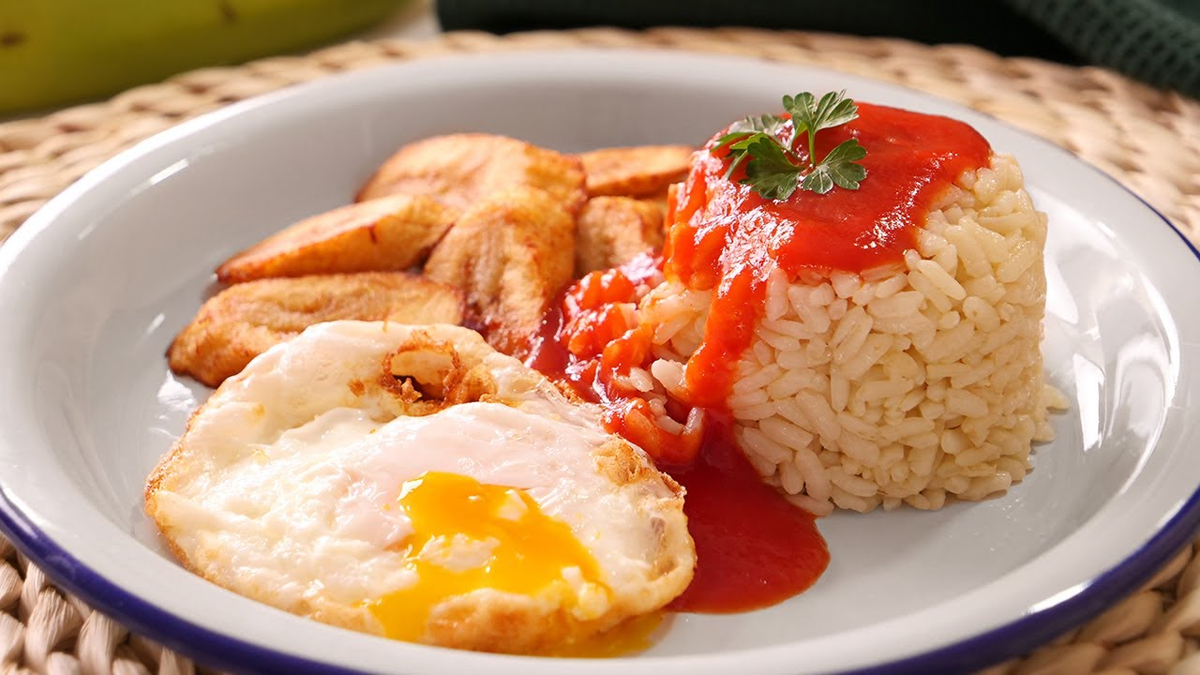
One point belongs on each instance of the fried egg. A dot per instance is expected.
(410, 481)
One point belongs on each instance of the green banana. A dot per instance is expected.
(54, 52)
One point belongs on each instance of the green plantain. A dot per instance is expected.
(60, 51)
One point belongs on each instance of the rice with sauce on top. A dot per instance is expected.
(892, 387)
(909, 382)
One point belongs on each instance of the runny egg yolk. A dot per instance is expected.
(468, 536)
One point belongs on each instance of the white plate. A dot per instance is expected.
(93, 287)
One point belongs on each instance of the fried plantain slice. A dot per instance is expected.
(637, 171)
(381, 235)
(460, 169)
(658, 200)
(614, 230)
(510, 254)
(245, 320)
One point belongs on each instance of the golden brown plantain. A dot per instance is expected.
(245, 320)
(393, 233)
(638, 171)
(658, 200)
(614, 230)
(460, 169)
(510, 254)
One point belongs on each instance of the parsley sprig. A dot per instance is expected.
(774, 169)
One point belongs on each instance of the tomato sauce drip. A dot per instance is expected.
(722, 235)
(754, 548)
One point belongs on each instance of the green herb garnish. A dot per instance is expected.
(773, 167)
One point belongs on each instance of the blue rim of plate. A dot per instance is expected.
(1071, 608)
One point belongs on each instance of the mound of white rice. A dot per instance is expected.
(903, 385)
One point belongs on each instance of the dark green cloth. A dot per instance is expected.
(1157, 41)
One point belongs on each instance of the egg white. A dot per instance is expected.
(284, 487)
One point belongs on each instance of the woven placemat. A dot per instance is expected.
(1146, 138)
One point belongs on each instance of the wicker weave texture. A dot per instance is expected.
(1147, 139)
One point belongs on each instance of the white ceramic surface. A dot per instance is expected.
(95, 285)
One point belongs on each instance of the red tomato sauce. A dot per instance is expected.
(754, 548)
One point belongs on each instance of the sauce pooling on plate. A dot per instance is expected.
(754, 548)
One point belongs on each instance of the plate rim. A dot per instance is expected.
(1068, 610)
